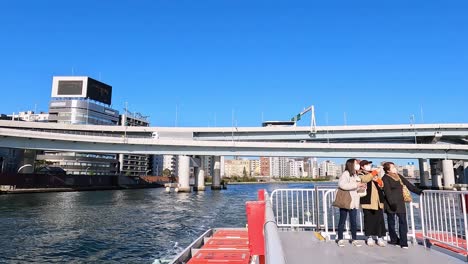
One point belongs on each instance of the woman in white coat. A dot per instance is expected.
(352, 183)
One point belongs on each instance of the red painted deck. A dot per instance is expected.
(225, 247)
(447, 238)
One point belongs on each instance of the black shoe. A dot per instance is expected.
(396, 243)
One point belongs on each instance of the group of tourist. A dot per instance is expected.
(361, 187)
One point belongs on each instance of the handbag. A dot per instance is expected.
(342, 199)
(361, 192)
(406, 193)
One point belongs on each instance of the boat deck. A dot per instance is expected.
(305, 247)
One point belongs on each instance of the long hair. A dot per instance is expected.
(350, 166)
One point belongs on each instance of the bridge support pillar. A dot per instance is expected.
(184, 173)
(436, 173)
(28, 163)
(423, 173)
(216, 184)
(449, 174)
(200, 176)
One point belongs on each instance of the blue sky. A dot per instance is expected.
(378, 61)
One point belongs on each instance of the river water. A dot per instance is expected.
(125, 226)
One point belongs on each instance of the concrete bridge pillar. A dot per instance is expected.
(436, 173)
(184, 173)
(423, 173)
(199, 174)
(448, 173)
(216, 184)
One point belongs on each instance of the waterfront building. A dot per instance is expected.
(81, 100)
(134, 164)
(265, 166)
(237, 168)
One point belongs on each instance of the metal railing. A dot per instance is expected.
(312, 208)
(331, 216)
(295, 208)
(444, 218)
(274, 253)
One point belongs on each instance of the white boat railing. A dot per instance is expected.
(331, 217)
(312, 208)
(298, 208)
(444, 218)
(274, 253)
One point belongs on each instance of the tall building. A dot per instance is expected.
(314, 168)
(409, 169)
(328, 169)
(81, 100)
(265, 166)
(254, 167)
(158, 164)
(170, 162)
(237, 168)
(134, 164)
(279, 167)
(296, 168)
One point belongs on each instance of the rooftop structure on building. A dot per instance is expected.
(81, 87)
(29, 116)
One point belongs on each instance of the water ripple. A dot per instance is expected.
(128, 226)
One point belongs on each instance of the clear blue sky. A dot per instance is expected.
(378, 61)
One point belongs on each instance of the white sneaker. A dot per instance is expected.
(381, 242)
(356, 243)
(370, 242)
(341, 243)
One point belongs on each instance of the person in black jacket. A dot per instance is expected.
(395, 204)
(372, 206)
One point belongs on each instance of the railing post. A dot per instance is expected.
(421, 215)
(413, 228)
(464, 218)
(317, 207)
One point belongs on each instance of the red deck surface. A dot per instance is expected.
(447, 238)
(226, 246)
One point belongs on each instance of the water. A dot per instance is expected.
(125, 226)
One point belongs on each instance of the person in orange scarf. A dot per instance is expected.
(372, 207)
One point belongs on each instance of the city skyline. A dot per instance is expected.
(233, 64)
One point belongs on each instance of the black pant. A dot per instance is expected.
(403, 229)
(352, 220)
(374, 223)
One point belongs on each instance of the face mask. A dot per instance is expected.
(356, 167)
(393, 170)
(367, 167)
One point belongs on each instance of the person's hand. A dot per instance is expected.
(362, 185)
(379, 182)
